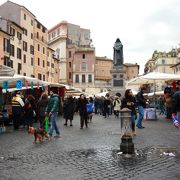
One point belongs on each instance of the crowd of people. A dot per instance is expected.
(26, 111)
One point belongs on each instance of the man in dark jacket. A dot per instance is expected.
(82, 111)
(141, 104)
(176, 102)
(52, 110)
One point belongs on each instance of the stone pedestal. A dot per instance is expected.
(118, 80)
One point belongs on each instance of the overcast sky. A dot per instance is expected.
(142, 25)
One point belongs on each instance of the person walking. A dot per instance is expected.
(141, 104)
(168, 102)
(17, 109)
(52, 111)
(117, 106)
(107, 105)
(129, 102)
(29, 109)
(82, 111)
(176, 103)
(90, 109)
(69, 109)
(41, 108)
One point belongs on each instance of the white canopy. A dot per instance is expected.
(152, 78)
(12, 80)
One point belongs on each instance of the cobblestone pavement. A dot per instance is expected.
(92, 153)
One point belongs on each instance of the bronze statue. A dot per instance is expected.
(118, 53)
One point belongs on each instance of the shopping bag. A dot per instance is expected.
(46, 123)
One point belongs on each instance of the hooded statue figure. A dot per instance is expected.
(118, 53)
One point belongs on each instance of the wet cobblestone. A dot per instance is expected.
(91, 154)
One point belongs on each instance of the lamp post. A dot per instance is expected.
(126, 146)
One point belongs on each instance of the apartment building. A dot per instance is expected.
(52, 67)
(162, 62)
(40, 50)
(25, 19)
(131, 71)
(59, 38)
(83, 69)
(4, 48)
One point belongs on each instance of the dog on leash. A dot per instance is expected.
(39, 134)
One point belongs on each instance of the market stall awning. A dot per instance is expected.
(153, 77)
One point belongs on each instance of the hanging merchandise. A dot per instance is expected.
(32, 85)
(5, 85)
(26, 84)
(37, 85)
(19, 84)
(43, 87)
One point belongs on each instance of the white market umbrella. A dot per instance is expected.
(153, 77)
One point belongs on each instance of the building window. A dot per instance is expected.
(19, 68)
(32, 22)
(52, 65)
(12, 31)
(24, 74)
(31, 35)
(37, 35)
(83, 56)
(6, 45)
(69, 64)
(32, 61)
(121, 76)
(32, 49)
(44, 78)
(43, 29)
(70, 75)
(83, 78)
(18, 53)
(38, 62)
(42, 38)
(48, 64)
(25, 31)
(83, 66)
(69, 54)
(19, 35)
(77, 78)
(24, 58)
(24, 46)
(43, 50)
(163, 61)
(90, 78)
(38, 25)
(12, 50)
(24, 16)
(39, 76)
(114, 76)
(38, 47)
(43, 63)
(11, 63)
(6, 61)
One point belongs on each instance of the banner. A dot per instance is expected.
(19, 84)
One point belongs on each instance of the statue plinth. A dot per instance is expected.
(118, 82)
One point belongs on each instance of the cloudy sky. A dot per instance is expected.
(142, 25)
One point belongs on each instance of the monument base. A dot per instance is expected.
(118, 81)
